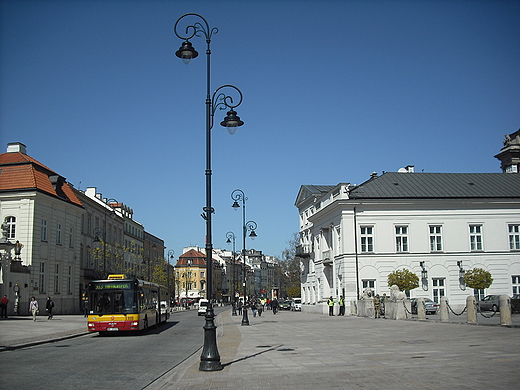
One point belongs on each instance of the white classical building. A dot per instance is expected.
(44, 215)
(437, 225)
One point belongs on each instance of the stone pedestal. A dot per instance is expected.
(471, 309)
(421, 309)
(366, 308)
(353, 308)
(505, 310)
(444, 313)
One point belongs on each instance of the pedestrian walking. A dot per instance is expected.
(377, 306)
(48, 307)
(33, 308)
(239, 307)
(3, 306)
(253, 307)
(341, 306)
(260, 309)
(330, 302)
(274, 305)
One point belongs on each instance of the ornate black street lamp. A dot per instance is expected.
(210, 358)
(171, 254)
(246, 226)
(108, 202)
(231, 238)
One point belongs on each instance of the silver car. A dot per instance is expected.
(431, 306)
(490, 302)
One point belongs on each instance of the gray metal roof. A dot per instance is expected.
(440, 185)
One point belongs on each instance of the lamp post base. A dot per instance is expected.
(210, 358)
(245, 320)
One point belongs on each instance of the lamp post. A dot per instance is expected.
(187, 279)
(238, 195)
(232, 238)
(210, 358)
(108, 202)
(171, 254)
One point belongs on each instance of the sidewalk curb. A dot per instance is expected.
(51, 339)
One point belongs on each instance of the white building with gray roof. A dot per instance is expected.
(437, 225)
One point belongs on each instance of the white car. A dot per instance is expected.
(296, 304)
(203, 306)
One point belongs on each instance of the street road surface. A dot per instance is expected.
(117, 361)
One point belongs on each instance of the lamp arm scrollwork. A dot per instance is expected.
(195, 28)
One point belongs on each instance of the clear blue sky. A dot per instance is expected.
(333, 90)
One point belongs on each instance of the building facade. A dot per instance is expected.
(434, 224)
(44, 215)
(67, 237)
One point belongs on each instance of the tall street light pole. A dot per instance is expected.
(232, 238)
(210, 358)
(171, 254)
(107, 203)
(238, 195)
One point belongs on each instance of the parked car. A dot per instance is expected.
(296, 304)
(284, 305)
(490, 302)
(431, 306)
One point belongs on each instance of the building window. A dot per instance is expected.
(202, 274)
(438, 289)
(479, 294)
(71, 237)
(11, 227)
(69, 280)
(369, 283)
(515, 280)
(42, 277)
(475, 237)
(435, 238)
(57, 280)
(401, 238)
(367, 239)
(44, 230)
(514, 237)
(58, 234)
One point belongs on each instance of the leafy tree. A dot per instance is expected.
(289, 270)
(478, 278)
(404, 279)
(294, 292)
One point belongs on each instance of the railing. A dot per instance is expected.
(303, 251)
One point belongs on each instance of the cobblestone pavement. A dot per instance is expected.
(293, 350)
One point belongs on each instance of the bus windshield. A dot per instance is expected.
(113, 301)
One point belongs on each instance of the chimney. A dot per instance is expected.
(16, 147)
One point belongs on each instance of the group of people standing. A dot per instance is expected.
(341, 302)
(257, 306)
(378, 305)
(33, 307)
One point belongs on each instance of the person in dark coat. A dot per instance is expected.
(274, 305)
(48, 307)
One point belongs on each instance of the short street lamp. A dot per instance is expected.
(232, 238)
(238, 195)
(210, 358)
